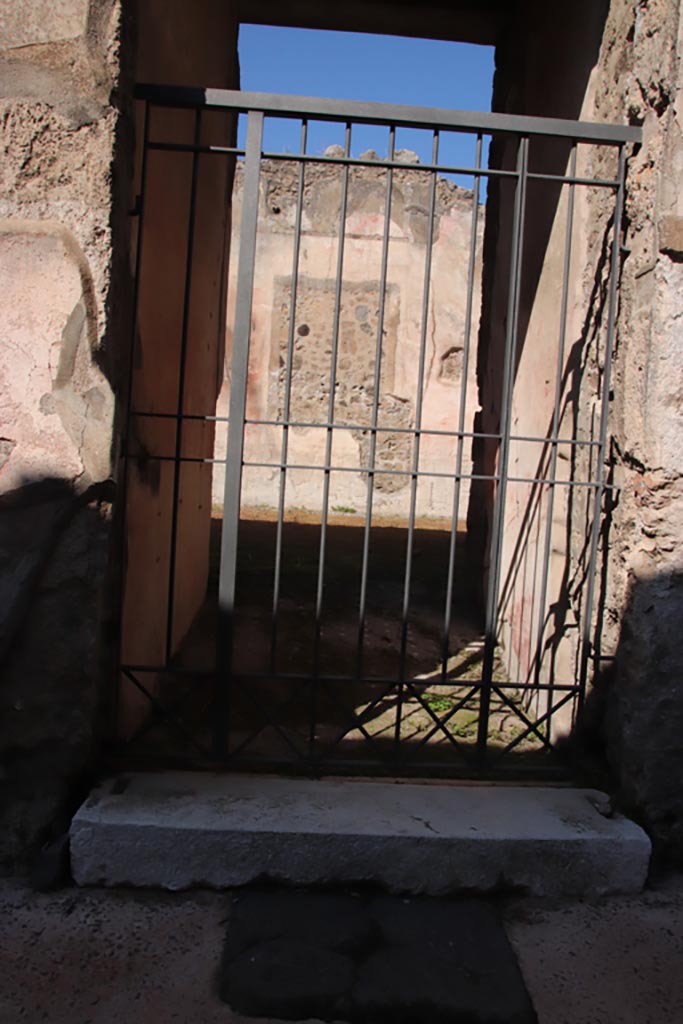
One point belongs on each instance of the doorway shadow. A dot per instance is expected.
(628, 739)
(395, 689)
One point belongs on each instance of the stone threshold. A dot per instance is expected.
(177, 830)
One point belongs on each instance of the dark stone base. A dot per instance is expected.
(370, 959)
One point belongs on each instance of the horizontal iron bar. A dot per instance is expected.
(464, 170)
(454, 684)
(189, 459)
(431, 473)
(399, 165)
(182, 416)
(320, 109)
(328, 468)
(182, 147)
(402, 472)
(370, 428)
(352, 161)
(300, 677)
(569, 180)
(170, 670)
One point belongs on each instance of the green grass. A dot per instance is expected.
(438, 703)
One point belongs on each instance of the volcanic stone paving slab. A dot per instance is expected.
(370, 959)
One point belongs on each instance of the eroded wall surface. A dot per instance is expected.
(58, 66)
(444, 388)
(640, 76)
(617, 62)
(67, 192)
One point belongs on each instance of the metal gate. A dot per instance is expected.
(399, 575)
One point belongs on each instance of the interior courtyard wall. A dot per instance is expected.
(360, 297)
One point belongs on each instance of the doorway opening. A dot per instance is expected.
(317, 604)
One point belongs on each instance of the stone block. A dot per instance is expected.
(287, 979)
(179, 829)
(57, 404)
(28, 22)
(671, 236)
(414, 960)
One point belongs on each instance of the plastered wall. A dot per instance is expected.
(443, 388)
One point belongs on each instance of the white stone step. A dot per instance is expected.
(176, 830)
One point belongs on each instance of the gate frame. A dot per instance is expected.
(257, 106)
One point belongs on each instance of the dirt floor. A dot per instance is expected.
(96, 956)
(342, 690)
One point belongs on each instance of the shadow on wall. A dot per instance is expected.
(543, 68)
(54, 550)
(58, 376)
(565, 521)
(634, 714)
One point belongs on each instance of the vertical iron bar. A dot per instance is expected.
(491, 621)
(287, 401)
(181, 387)
(235, 447)
(405, 608)
(586, 643)
(328, 442)
(461, 418)
(374, 417)
(124, 453)
(552, 468)
(136, 292)
(532, 555)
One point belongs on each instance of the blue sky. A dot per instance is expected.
(356, 66)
